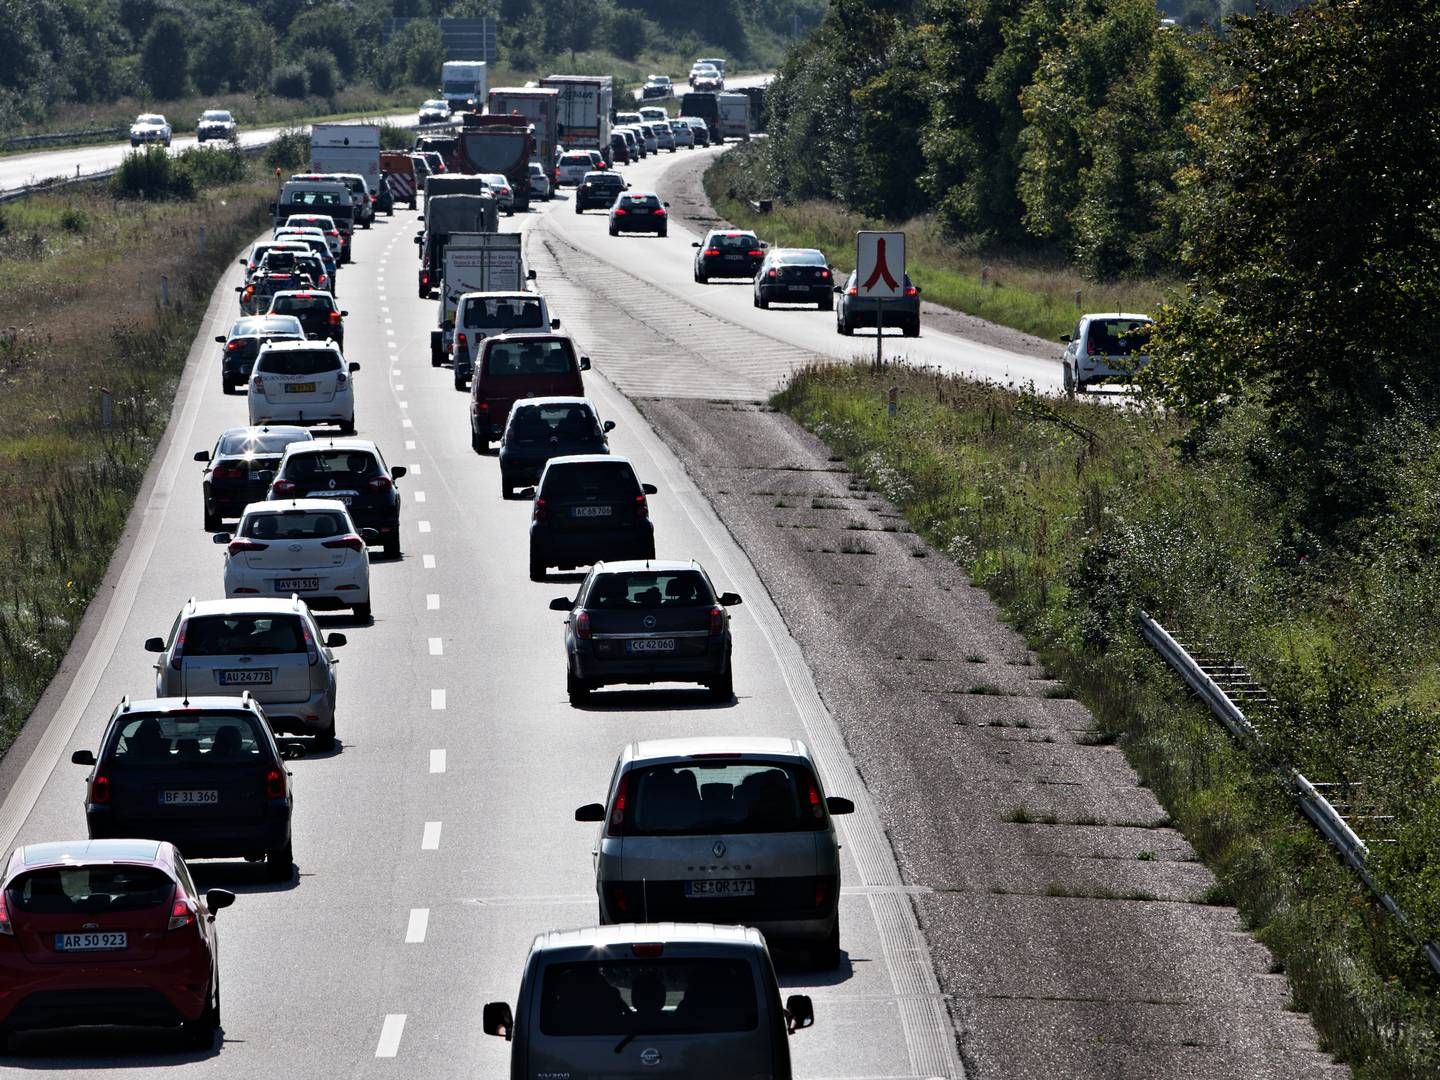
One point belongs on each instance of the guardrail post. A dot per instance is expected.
(164, 290)
(107, 409)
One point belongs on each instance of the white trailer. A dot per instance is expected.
(464, 83)
(585, 103)
(734, 116)
(347, 148)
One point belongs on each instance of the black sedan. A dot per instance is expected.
(647, 622)
(727, 253)
(242, 345)
(204, 774)
(794, 276)
(854, 312)
(237, 470)
(639, 211)
(539, 429)
(598, 191)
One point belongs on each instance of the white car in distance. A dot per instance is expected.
(150, 128)
(308, 547)
(304, 383)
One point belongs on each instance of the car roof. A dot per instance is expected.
(303, 292)
(239, 605)
(635, 193)
(629, 566)
(587, 459)
(555, 399)
(207, 702)
(334, 444)
(268, 429)
(295, 345)
(281, 506)
(648, 933)
(602, 174)
(504, 294)
(1116, 315)
(759, 746)
(79, 852)
(523, 336)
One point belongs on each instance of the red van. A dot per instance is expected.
(515, 366)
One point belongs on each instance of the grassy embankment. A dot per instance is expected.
(1026, 291)
(80, 287)
(1074, 514)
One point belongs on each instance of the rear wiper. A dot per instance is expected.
(628, 1039)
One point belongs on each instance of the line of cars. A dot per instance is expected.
(154, 128)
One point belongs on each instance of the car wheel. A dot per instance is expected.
(461, 383)
(537, 568)
(577, 207)
(478, 444)
(348, 428)
(828, 304)
(700, 277)
(761, 302)
(842, 326)
(391, 547)
(326, 739)
(577, 689)
(362, 613)
(825, 956)
(912, 328)
(614, 231)
(664, 233)
(1068, 378)
(199, 1034)
(213, 522)
(723, 688)
(412, 204)
(506, 486)
(280, 863)
(437, 356)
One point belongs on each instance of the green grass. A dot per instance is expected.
(1074, 514)
(1029, 291)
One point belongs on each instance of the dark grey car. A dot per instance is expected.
(853, 312)
(539, 429)
(794, 276)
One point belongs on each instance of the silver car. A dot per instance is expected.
(659, 1001)
(721, 830)
(272, 648)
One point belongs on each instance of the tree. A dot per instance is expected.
(329, 28)
(235, 52)
(164, 58)
(625, 32)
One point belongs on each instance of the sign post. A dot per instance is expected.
(879, 273)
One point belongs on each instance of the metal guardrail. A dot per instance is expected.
(1307, 797)
(63, 136)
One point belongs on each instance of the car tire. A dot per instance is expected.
(390, 212)
(437, 357)
(761, 302)
(577, 207)
(828, 304)
(362, 613)
(843, 328)
(348, 428)
(478, 444)
(701, 277)
(391, 547)
(912, 329)
(614, 231)
(825, 956)
(199, 1034)
(578, 690)
(461, 383)
(280, 863)
(664, 233)
(412, 204)
(723, 688)
(506, 486)
(537, 568)
(213, 522)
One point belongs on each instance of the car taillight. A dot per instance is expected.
(334, 318)
(619, 898)
(620, 211)
(275, 784)
(582, 625)
(425, 278)
(239, 547)
(541, 512)
(312, 651)
(232, 346)
(100, 788)
(852, 291)
(602, 165)
(756, 254)
(340, 380)
(825, 274)
(648, 950)
(712, 251)
(557, 174)
(258, 384)
(333, 232)
(910, 290)
(181, 914)
(283, 487)
(177, 651)
(351, 543)
(822, 891)
(770, 273)
(659, 211)
(717, 621)
(642, 508)
(462, 343)
(617, 809)
(5, 928)
(380, 483)
(817, 804)
(227, 472)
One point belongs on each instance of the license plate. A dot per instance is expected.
(734, 258)
(591, 511)
(297, 584)
(798, 288)
(641, 210)
(300, 388)
(719, 888)
(189, 798)
(346, 497)
(658, 644)
(246, 678)
(254, 477)
(90, 942)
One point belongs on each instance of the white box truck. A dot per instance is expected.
(734, 116)
(349, 148)
(474, 262)
(463, 84)
(584, 111)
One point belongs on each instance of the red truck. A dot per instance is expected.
(499, 144)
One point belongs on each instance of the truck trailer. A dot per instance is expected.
(541, 106)
(499, 144)
(585, 105)
(463, 84)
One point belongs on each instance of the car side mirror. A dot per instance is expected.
(561, 603)
(608, 426)
(1065, 338)
(584, 363)
(649, 489)
(202, 455)
(398, 472)
(527, 493)
(799, 1012)
(293, 749)
(370, 536)
(529, 275)
(554, 324)
(838, 289)
(421, 217)
(695, 243)
(419, 240)
(240, 261)
(836, 805)
(590, 812)
(919, 289)
(667, 205)
(155, 644)
(239, 288)
(221, 538)
(216, 899)
(354, 366)
(730, 599)
(497, 1019)
(334, 641)
(82, 757)
(344, 314)
(220, 339)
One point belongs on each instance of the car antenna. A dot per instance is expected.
(644, 900)
(184, 683)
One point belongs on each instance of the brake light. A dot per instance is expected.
(617, 809)
(642, 508)
(648, 950)
(312, 651)
(825, 274)
(275, 784)
(333, 232)
(711, 252)
(620, 211)
(756, 254)
(232, 346)
(910, 290)
(177, 652)
(240, 547)
(340, 380)
(541, 512)
(258, 384)
(822, 891)
(770, 273)
(100, 788)
(717, 621)
(425, 278)
(181, 914)
(283, 487)
(351, 543)
(227, 472)
(582, 625)
(659, 211)
(817, 805)
(852, 291)
(334, 318)
(5, 928)
(380, 483)
(462, 343)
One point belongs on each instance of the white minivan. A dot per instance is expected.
(662, 1001)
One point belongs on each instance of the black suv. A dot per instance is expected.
(589, 508)
(352, 471)
(317, 311)
(242, 345)
(203, 773)
(238, 469)
(727, 253)
(545, 427)
(598, 191)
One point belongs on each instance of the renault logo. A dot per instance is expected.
(650, 1056)
(719, 849)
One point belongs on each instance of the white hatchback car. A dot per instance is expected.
(540, 182)
(308, 547)
(324, 222)
(499, 185)
(305, 383)
(721, 830)
(574, 164)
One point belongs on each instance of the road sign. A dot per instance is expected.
(880, 265)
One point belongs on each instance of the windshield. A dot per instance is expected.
(1118, 337)
(297, 362)
(649, 202)
(302, 305)
(734, 241)
(723, 796)
(314, 198)
(502, 314)
(488, 152)
(75, 890)
(242, 635)
(195, 738)
(293, 525)
(215, 115)
(343, 466)
(151, 118)
(680, 995)
(800, 258)
(265, 442)
(512, 358)
(591, 479)
(631, 592)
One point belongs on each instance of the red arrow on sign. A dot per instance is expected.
(882, 268)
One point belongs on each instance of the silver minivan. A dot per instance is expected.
(660, 1001)
(721, 830)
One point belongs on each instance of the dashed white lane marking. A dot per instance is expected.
(415, 469)
(389, 320)
(427, 561)
(431, 840)
(404, 404)
(419, 923)
(407, 422)
(409, 444)
(437, 646)
(423, 526)
(419, 496)
(391, 345)
(437, 700)
(396, 371)
(437, 761)
(390, 1033)
(432, 601)
(390, 331)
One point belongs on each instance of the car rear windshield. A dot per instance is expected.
(649, 589)
(510, 358)
(315, 198)
(502, 314)
(1118, 337)
(723, 796)
(604, 180)
(680, 996)
(734, 241)
(199, 738)
(298, 362)
(243, 635)
(597, 479)
(332, 464)
(65, 890)
(540, 423)
(576, 159)
(801, 258)
(647, 201)
(301, 305)
(267, 442)
(293, 525)
(264, 325)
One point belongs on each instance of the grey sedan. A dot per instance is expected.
(853, 312)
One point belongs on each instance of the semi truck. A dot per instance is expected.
(446, 215)
(463, 84)
(585, 105)
(499, 144)
(541, 106)
(474, 262)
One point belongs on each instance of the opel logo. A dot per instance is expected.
(719, 849)
(649, 621)
(650, 1056)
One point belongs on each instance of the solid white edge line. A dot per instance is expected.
(390, 1032)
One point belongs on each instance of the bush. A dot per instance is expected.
(288, 150)
(290, 81)
(321, 73)
(626, 34)
(74, 220)
(211, 166)
(152, 173)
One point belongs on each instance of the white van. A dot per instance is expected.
(661, 1000)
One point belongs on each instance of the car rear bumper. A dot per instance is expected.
(723, 268)
(305, 415)
(207, 838)
(300, 718)
(333, 589)
(646, 224)
(650, 669)
(893, 313)
(804, 294)
(794, 918)
(51, 1003)
(584, 549)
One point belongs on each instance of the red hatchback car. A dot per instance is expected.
(108, 932)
